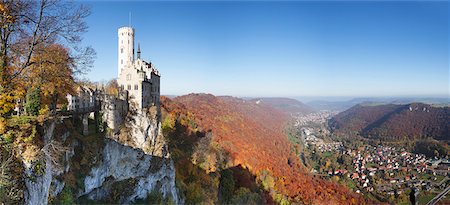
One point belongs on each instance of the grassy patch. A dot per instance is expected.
(351, 185)
(326, 154)
(20, 120)
(426, 198)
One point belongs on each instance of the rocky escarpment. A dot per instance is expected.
(114, 168)
(142, 130)
(137, 157)
(42, 165)
(132, 168)
(38, 175)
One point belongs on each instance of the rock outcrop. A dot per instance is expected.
(38, 174)
(142, 130)
(140, 172)
(133, 162)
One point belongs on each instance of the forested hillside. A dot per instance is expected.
(394, 122)
(231, 132)
(286, 105)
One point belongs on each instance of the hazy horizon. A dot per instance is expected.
(307, 99)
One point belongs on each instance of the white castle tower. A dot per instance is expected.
(126, 48)
(136, 76)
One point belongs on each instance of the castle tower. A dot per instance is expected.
(126, 48)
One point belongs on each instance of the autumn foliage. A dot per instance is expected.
(253, 135)
(395, 122)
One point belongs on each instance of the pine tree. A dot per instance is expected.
(33, 103)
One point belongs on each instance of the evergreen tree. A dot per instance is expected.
(33, 103)
(226, 186)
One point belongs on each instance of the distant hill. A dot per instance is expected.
(287, 105)
(394, 121)
(346, 104)
(253, 136)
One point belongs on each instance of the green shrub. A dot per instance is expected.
(245, 196)
(194, 193)
(66, 197)
(267, 181)
(155, 197)
(33, 103)
(226, 186)
(64, 107)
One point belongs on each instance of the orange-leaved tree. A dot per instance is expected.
(52, 73)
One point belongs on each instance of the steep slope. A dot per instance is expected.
(287, 105)
(394, 122)
(253, 136)
(61, 166)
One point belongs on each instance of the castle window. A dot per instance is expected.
(121, 61)
(128, 77)
(121, 50)
(136, 87)
(121, 86)
(129, 87)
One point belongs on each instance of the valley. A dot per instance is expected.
(382, 171)
(224, 102)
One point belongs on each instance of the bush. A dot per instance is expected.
(155, 197)
(267, 181)
(245, 196)
(44, 111)
(226, 186)
(168, 123)
(66, 197)
(2, 125)
(64, 107)
(194, 194)
(33, 103)
(6, 103)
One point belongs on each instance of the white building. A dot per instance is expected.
(84, 99)
(138, 77)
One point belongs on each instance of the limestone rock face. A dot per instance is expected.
(142, 130)
(137, 158)
(38, 184)
(138, 172)
(133, 162)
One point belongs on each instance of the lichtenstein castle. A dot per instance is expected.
(138, 81)
(136, 76)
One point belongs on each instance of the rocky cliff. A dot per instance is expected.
(140, 172)
(111, 168)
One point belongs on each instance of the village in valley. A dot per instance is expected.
(379, 171)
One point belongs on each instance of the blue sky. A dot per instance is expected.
(294, 48)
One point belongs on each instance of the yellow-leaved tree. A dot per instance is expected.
(52, 73)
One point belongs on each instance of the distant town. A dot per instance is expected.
(384, 172)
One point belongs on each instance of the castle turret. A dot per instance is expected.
(126, 48)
